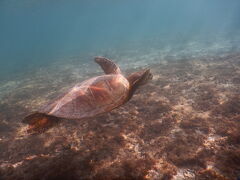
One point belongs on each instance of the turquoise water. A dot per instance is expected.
(183, 124)
(36, 33)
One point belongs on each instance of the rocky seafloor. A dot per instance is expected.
(184, 124)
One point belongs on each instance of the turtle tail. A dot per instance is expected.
(39, 122)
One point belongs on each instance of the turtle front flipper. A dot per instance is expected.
(108, 66)
(39, 122)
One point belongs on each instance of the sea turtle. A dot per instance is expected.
(91, 97)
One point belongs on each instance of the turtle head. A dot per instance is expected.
(140, 77)
(137, 79)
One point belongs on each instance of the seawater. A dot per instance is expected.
(35, 34)
(183, 124)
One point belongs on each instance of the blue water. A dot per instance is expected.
(37, 33)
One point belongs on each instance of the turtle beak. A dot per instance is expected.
(148, 75)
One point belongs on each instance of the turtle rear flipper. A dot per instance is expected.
(39, 122)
